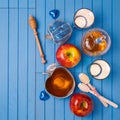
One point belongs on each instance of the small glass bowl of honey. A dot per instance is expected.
(95, 42)
(60, 83)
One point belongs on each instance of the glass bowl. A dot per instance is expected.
(59, 31)
(95, 42)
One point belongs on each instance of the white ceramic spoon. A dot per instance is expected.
(85, 88)
(85, 79)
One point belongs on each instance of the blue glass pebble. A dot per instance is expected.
(54, 13)
(44, 96)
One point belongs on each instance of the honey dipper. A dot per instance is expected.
(33, 25)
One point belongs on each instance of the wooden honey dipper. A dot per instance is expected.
(33, 25)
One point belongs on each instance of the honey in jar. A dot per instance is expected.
(95, 42)
(61, 83)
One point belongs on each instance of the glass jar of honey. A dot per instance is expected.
(60, 83)
(95, 42)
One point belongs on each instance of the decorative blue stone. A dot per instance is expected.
(44, 96)
(54, 13)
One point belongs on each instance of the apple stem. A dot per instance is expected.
(68, 54)
(83, 105)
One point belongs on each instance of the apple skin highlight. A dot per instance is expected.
(68, 55)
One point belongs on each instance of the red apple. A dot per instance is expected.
(68, 55)
(81, 104)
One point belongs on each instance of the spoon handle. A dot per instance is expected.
(98, 96)
(91, 86)
(108, 101)
(103, 102)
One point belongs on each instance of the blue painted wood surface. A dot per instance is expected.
(20, 78)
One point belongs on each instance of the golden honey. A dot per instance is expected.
(60, 83)
(94, 43)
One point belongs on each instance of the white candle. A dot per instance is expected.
(83, 18)
(95, 69)
(100, 69)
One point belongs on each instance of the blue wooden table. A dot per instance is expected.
(20, 65)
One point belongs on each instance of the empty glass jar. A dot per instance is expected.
(59, 31)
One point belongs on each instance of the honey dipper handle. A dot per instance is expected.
(33, 25)
(39, 47)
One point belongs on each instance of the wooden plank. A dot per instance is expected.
(23, 66)
(23, 3)
(59, 103)
(3, 3)
(87, 59)
(106, 24)
(77, 35)
(69, 13)
(40, 105)
(97, 9)
(40, 16)
(31, 70)
(44, 20)
(31, 3)
(13, 42)
(77, 39)
(98, 109)
(13, 3)
(49, 46)
(4, 77)
(115, 57)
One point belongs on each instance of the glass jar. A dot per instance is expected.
(59, 31)
(95, 42)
